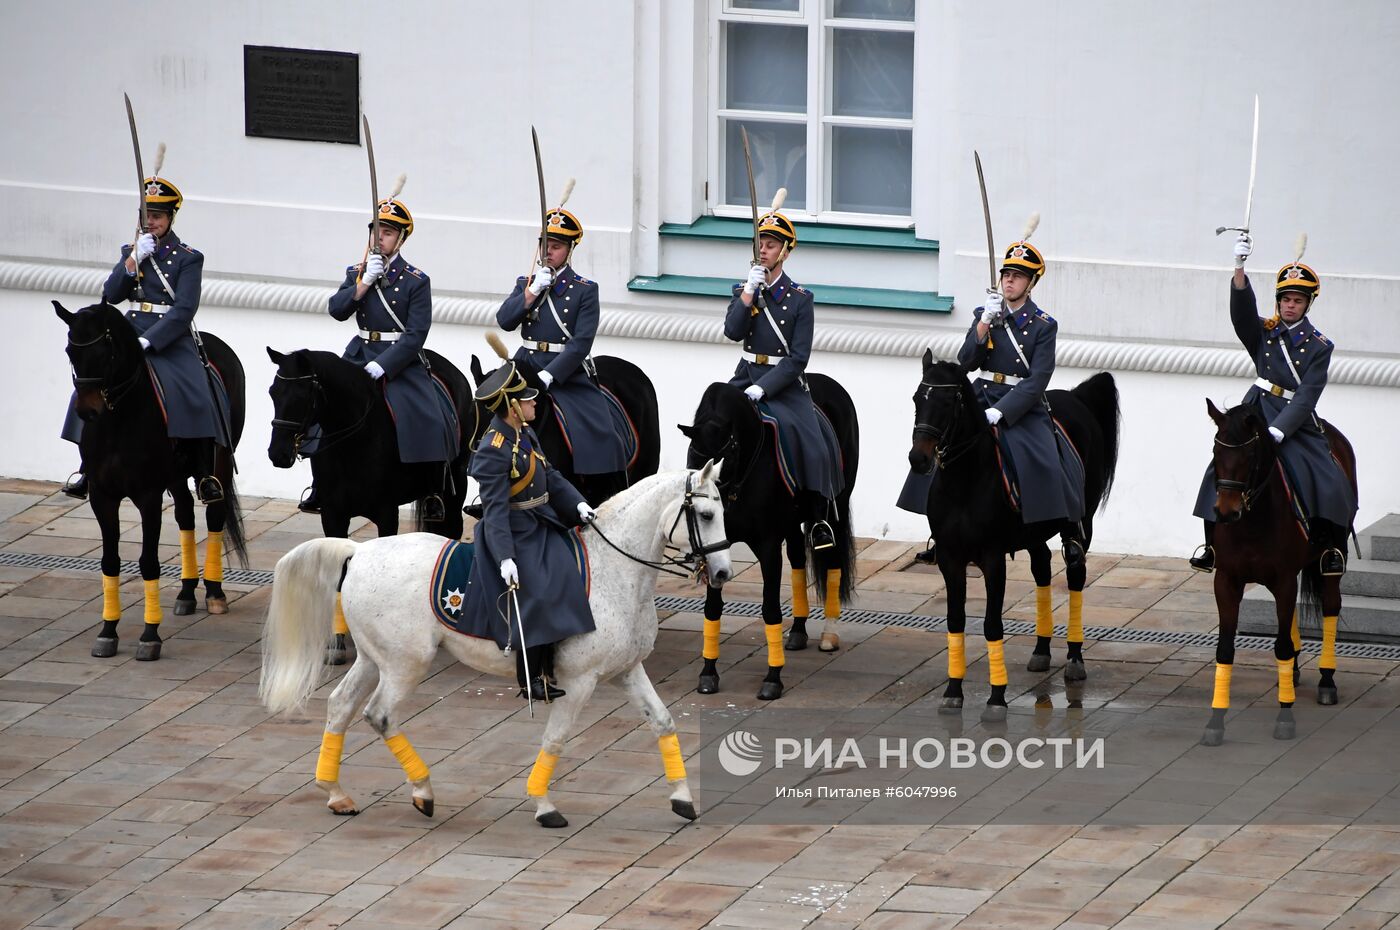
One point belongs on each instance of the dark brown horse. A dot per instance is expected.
(1260, 539)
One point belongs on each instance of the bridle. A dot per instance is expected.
(110, 395)
(1248, 489)
(301, 427)
(689, 564)
(728, 452)
(944, 453)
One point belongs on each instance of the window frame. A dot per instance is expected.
(816, 17)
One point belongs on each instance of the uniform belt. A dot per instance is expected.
(370, 335)
(530, 504)
(141, 306)
(759, 358)
(533, 346)
(1264, 384)
(997, 377)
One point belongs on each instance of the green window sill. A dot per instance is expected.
(847, 237)
(871, 298)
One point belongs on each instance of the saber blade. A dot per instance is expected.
(1253, 165)
(140, 180)
(373, 189)
(987, 219)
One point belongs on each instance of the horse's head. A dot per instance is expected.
(944, 408)
(1243, 456)
(104, 354)
(723, 429)
(702, 510)
(297, 396)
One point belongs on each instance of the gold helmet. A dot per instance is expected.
(561, 224)
(163, 196)
(394, 213)
(780, 227)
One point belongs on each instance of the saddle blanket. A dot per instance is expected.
(631, 443)
(1009, 479)
(452, 573)
(783, 451)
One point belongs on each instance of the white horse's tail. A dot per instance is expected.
(299, 621)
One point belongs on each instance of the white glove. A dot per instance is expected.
(754, 393)
(145, 343)
(374, 370)
(145, 247)
(1243, 246)
(758, 276)
(543, 278)
(374, 269)
(586, 513)
(992, 309)
(1277, 433)
(509, 573)
(993, 416)
(546, 379)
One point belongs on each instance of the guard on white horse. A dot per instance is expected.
(398, 630)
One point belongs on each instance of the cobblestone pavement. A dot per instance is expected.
(162, 795)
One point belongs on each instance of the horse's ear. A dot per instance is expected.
(1214, 412)
(719, 467)
(477, 374)
(706, 472)
(928, 358)
(277, 357)
(63, 312)
(687, 431)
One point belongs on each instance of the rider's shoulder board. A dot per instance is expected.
(1042, 315)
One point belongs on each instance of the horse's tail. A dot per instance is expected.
(233, 523)
(1310, 597)
(1100, 394)
(299, 621)
(842, 555)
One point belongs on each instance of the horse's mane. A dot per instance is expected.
(337, 373)
(721, 399)
(1243, 418)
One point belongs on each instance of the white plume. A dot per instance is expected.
(398, 186)
(568, 191)
(160, 160)
(1031, 225)
(1300, 247)
(778, 199)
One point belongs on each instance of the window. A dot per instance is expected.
(825, 89)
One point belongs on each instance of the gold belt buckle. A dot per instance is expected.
(542, 346)
(374, 335)
(1275, 390)
(998, 377)
(761, 359)
(145, 307)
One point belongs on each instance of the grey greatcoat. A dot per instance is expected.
(165, 316)
(596, 428)
(1322, 487)
(1050, 476)
(526, 518)
(780, 369)
(424, 419)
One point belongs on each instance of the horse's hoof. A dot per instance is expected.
(1213, 736)
(335, 656)
(147, 650)
(1325, 695)
(1074, 670)
(552, 820)
(684, 809)
(183, 607)
(709, 684)
(216, 605)
(770, 690)
(830, 642)
(343, 808)
(106, 647)
(1285, 729)
(795, 640)
(1038, 663)
(994, 713)
(424, 806)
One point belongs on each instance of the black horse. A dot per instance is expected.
(632, 388)
(127, 453)
(760, 510)
(972, 519)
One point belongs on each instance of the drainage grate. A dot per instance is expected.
(1106, 634)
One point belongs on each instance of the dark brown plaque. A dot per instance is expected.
(299, 93)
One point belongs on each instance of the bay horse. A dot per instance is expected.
(761, 511)
(973, 521)
(127, 453)
(633, 390)
(355, 463)
(1259, 538)
(386, 591)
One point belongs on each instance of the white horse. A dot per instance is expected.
(385, 597)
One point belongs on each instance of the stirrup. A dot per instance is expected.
(76, 486)
(821, 535)
(1073, 551)
(210, 490)
(310, 502)
(1332, 563)
(434, 511)
(930, 555)
(1203, 560)
(542, 689)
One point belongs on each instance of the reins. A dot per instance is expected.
(1247, 489)
(300, 428)
(698, 548)
(944, 453)
(110, 396)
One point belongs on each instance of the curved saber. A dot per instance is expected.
(140, 181)
(524, 656)
(373, 189)
(1253, 167)
(987, 218)
(544, 203)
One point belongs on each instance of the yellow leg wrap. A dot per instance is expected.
(996, 659)
(214, 557)
(413, 765)
(800, 607)
(773, 632)
(1044, 613)
(1285, 681)
(111, 597)
(1329, 643)
(957, 655)
(152, 600)
(1076, 617)
(671, 756)
(1221, 700)
(1297, 636)
(328, 765)
(340, 625)
(711, 648)
(189, 559)
(832, 607)
(538, 784)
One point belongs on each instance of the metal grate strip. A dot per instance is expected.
(248, 576)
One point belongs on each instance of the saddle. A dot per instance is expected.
(447, 591)
(785, 454)
(631, 439)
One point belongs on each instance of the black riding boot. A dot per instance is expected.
(209, 489)
(1332, 540)
(1204, 559)
(434, 510)
(819, 532)
(930, 555)
(310, 501)
(76, 485)
(541, 673)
